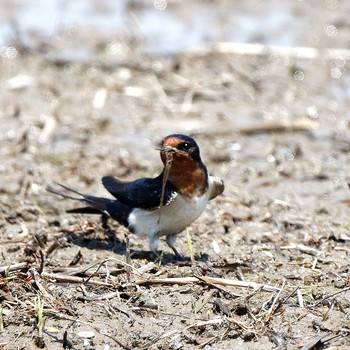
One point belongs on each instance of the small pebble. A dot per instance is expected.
(86, 334)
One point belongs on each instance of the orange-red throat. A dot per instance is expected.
(186, 174)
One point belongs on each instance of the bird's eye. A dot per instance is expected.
(186, 146)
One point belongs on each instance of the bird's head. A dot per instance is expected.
(182, 149)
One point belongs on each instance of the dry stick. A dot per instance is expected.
(300, 298)
(169, 160)
(40, 286)
(73, 319)
(42, 261)
(232, 295)
(214, 280)
(113, 338)
(246, 303)
(14, 341)
(109, 259)
(132, 319)
(300, 124)
(161, 312)
(269, 314)
(286, 298)
(71, 271)
(312, 344)
(331, 295)
(237, 323)
(127, 258)
(15, 267)
(202, 345)
(104, 296)
(200, 324)
(206, 300)
(74, 279)
(178, 332)
(55, 244)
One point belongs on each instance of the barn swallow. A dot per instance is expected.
(160, 206)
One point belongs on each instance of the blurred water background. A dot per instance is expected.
(169, 27)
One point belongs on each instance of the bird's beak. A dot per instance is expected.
(168, 150)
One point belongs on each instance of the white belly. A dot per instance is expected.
(173, 218)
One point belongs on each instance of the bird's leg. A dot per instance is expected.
(154, 243)
(104, 221)
(171, 239)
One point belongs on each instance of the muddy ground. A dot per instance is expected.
(273, 125)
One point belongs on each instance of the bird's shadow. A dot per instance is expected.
(109, 241)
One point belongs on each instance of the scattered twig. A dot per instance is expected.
(213, 280)
(54, 245)
(71, 271)
(237, 323)
(14, 341)
(271, 310)
(113, 259)
(73, 319)
(301, 124)
(208, 341)
(330, 296)
(312, 344)
(300, 298)
(113, 338)
(206, 300)
(15, 267)
(127, 258)
(303, 248)
(42, 261)
(40, 286)
(169, 160)
(76, 258)
(105, 296)
(179, 331)
(232, 295)
(246, 303)
(162, 312)
(286, 298)
(132, 319)
(257, 49)
(73, 279)
(128, 266)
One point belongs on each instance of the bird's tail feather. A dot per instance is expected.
(84, 210)
(96, 205)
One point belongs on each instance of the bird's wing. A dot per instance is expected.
(144, 193)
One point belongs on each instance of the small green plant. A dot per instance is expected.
(189, 244)
(1, 321)
(194, 308)
(41, 323)
(7, 271)
(160, 258)
(324, 313)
